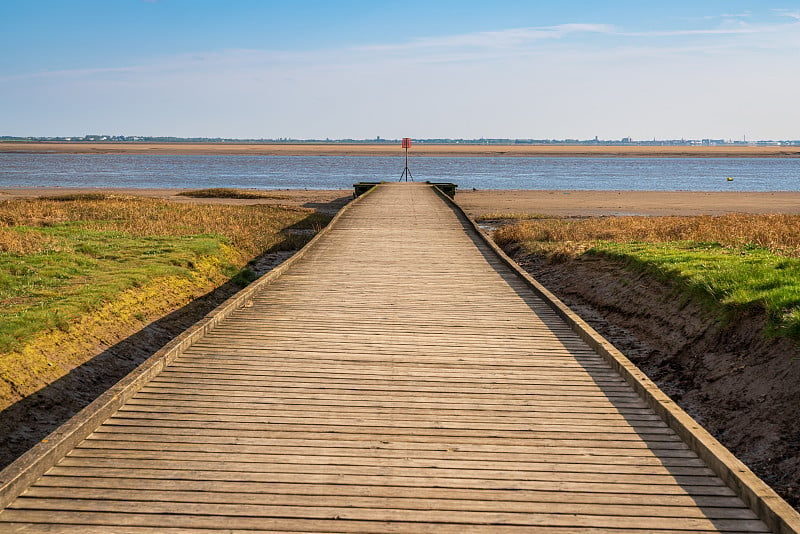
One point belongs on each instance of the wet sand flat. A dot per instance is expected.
(597, 203)
(386, 149)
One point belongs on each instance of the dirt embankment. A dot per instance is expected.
(31, 419)
(741, 386)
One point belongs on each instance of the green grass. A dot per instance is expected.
(725, 279)
(84, 269)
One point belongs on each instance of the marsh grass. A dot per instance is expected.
(730, 263)
(777, 233)
(510, 216)
(224, 192)
(85, 196)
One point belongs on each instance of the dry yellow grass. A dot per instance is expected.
(777, 233)
(250, 229)
(17, 242)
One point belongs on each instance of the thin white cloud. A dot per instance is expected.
(510, 38)
(744, 14)
(711, 31)
(526, 39)
(791, 13)
(232, 58)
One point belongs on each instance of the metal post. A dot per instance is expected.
(406, 173)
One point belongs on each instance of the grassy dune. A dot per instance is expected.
(80, 271)
(730, 263)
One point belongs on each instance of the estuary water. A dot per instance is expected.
(340, 172)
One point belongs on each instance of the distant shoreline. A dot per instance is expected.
(443, 150)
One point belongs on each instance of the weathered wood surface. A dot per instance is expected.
(397, 379)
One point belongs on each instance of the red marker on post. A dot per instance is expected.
(406, 173)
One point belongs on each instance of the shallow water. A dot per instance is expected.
(340, 172)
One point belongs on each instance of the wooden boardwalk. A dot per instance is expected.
(399, 378)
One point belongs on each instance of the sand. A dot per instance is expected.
(596, 203)
(499, 202)
(394, 149)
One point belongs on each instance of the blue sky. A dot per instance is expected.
(361, 69)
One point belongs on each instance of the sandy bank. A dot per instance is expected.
(302, 149)
(594, 203)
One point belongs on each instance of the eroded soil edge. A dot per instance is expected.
(742, 387)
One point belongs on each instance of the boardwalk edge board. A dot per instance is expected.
(26, 469)
(770, 507)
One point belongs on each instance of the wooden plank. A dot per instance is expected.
(259, 501)
(410, 468)
(222, 407)
(218, 487)
(421, 422)
(257, 517)
(386, 385)
(311, 440)
(387, 428)
(443, 460)
(220, 371)
(554, 455)
(364, 371)
(662, 448)
(540, 408)
(83, 522)
(524, 398)
(399, 478)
